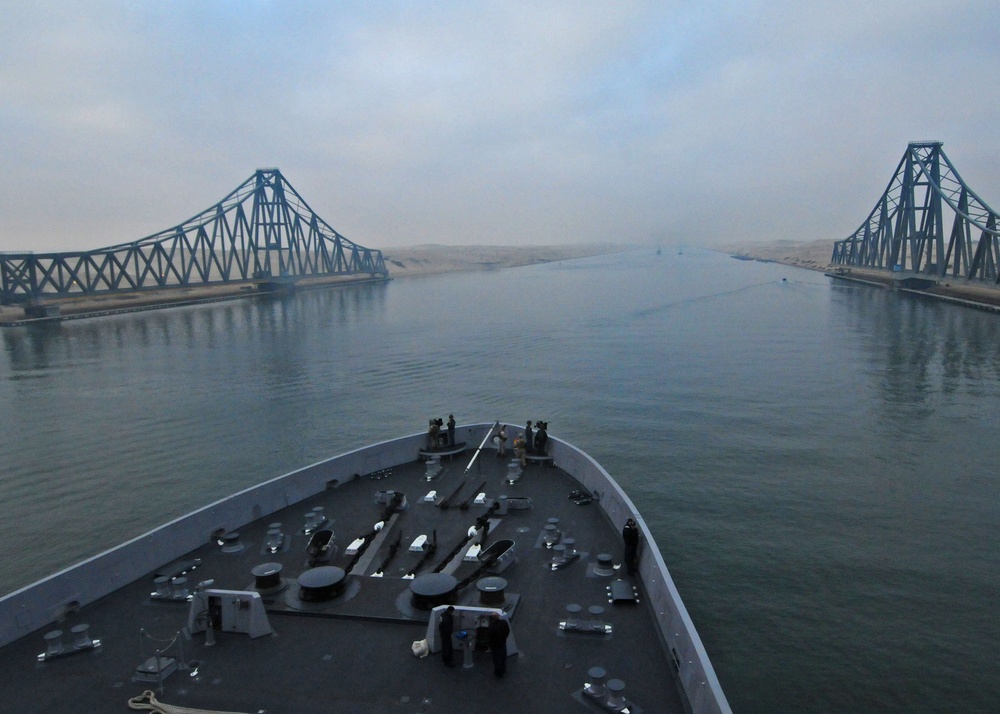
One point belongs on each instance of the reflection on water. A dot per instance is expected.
(39, 346)
(927, 345)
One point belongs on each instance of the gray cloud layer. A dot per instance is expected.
(514, 122)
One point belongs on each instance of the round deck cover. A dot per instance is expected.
(432, 589)
(322, 583)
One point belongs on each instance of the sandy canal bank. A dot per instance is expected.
(409, 261)
(815, 255)
(812, 255)
(430, 259)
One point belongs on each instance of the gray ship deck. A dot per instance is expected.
(353, 654)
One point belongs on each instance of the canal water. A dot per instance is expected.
(816, 460)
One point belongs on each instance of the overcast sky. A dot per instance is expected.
(507, 122)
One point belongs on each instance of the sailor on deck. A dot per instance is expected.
(497, 634)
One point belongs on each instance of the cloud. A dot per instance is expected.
(472, 122)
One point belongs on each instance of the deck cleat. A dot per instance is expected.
(314, 520)
(550, 535)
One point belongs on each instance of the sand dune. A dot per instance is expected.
(814, 255)
(430, 259)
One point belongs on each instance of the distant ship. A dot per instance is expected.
(324, 590)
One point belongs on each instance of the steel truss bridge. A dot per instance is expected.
(262, 231)
(906, 229)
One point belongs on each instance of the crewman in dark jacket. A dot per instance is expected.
(497, 635)
(445, 627)
(630, 533)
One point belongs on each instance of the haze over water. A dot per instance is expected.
(816, 460)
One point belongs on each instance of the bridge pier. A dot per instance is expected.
(37, 310)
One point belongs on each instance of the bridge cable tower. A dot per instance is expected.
(906, 229)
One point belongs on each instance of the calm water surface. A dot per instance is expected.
(817, 461)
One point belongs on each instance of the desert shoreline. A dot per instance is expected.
(816, 255)
(435, 259)
(402, 262)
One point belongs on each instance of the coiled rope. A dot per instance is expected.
(147, 701)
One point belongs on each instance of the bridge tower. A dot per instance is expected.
(906, 229)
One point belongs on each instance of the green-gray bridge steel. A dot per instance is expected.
(906, 229)
(263, 230)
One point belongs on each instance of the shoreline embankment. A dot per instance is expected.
(435, 259)
(815, 255)
(403, 262)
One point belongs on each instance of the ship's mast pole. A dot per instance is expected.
(485, 439)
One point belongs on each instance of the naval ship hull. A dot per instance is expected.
(240, 607)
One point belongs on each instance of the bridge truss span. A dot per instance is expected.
(262, 231)
(906, 229)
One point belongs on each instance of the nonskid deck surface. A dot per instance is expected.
(353, 653)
